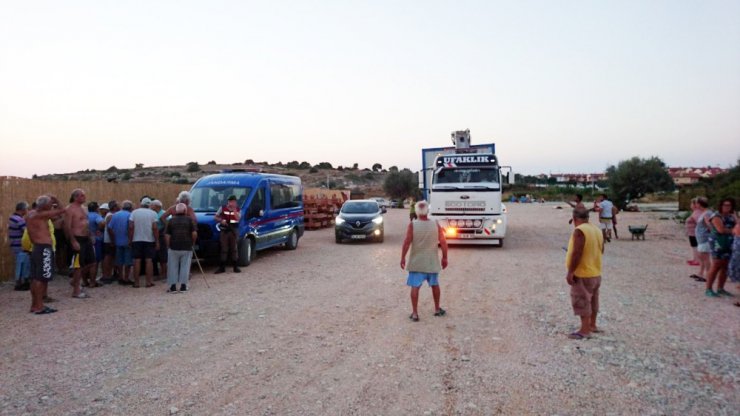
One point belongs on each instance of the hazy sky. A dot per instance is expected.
(557, 85)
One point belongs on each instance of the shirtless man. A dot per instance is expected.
(576, 203)
(42, 256)
(78, 234)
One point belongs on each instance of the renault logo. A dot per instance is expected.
(358, 223)
(464, 197)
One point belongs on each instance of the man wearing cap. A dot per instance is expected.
(228, 217)
(144, 236)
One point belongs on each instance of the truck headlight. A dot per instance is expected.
(499, 221)
(339, 221)
(378, 220)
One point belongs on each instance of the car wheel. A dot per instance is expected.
(292, 242)
(380, 238)
(246, 252)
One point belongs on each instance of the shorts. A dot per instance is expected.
(703, 247)
(606, 223)
(416, 279)
(143, 250)
(42, 263)
(123, 256)
(692, 241)
(99, 250)
(86, 255)
(109, 249)
(720, 249)
(584, 296)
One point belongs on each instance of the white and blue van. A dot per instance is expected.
(271, 207)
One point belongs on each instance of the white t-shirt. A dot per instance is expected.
(106, 236)
(606, 209)
(143, 218)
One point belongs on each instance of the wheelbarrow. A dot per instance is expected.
(637, 231)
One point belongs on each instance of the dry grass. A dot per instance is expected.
(13, 190)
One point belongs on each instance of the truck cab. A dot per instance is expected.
(271, 211)
(463, 185)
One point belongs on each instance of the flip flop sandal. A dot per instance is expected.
(578, 336)
(440, 312)
(698, 278)
(150, 285)
(414, 318)
(81, 295)
(45, 311)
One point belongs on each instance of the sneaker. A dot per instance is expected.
(18, 286)
(172, 289)
(711, 293)
(724, 292)
(183, 288)
(237, 270)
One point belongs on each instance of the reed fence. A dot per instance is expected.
(14, 190)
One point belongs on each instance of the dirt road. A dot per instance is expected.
(324, 330)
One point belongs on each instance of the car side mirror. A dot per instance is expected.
(261, 213)
(383, 210)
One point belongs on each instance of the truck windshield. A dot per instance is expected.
(211, 198)
(467, 178)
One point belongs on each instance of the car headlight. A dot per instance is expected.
(499, 221)
(339, 220)
(378, 220)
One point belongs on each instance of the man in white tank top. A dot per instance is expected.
(423, 236)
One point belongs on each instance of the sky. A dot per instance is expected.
(559, 86)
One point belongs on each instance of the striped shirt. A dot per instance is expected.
(16, 225)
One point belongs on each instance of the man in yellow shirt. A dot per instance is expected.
(583, 262)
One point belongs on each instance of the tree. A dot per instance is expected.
(139, 166)
(400, 185)
(324, 165)
(293, 165)
(377, 167)
(636, 177)
(313, 170)
(393, 169)
(355, 166)
(304, 165)
(211, 162)
(192, 167)
(249, 162)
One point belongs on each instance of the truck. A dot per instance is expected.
(463, 184)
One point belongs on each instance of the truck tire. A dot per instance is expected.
(501, 243)
(246, 252)
(292, 242)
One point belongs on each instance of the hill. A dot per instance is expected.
(322, 175)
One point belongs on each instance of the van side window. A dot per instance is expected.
(258, 203)
(285, 195)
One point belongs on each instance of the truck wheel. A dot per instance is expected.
(292, 242)
(501, 243)
(246, 252)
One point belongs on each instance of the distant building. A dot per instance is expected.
(579, 178)
(690, 176)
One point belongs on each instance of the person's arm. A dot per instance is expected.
(579, 241)
(443, 245)
(130, 232)
(194, 234)
(719, 226)
(219, 219)
(573, 204)
(68, 231)
(155, 231)
(111, 233)
(407, 244)
(167, 235)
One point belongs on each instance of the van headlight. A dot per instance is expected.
(339, 220)
(378, 220)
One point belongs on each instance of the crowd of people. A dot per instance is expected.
(100, 244)
(714, 238)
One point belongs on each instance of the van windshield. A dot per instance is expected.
(211, 198)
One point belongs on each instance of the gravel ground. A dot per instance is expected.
(324, 330)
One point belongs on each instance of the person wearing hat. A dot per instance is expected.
(227, 218)
(144, 236)
(96, 223)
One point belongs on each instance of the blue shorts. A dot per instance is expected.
(416, 279)
(123, 256)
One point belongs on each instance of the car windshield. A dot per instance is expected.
(364, 207)
(211, 198)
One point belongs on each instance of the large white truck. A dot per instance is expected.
(463, 185)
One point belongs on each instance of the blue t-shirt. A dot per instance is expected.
(93, 222)
(119, 224)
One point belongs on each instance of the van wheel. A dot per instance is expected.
(292, 242)
(501, 243)
(246, 252)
